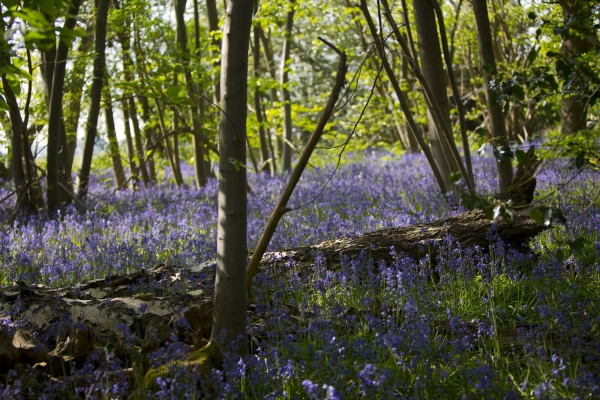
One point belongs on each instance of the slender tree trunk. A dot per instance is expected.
(150, 137)
(57, 183)
(197, 141)
(432, 66)
(113, 143)
(91, 127)
(169, 147)
(229, 316)
(133, 170)
(129, 102)
(573, 105)
(498, 128)
(266, 161)
(286, 157)
(74, 91)
(16, 125)
(213, 26)
(402, 98)
(148, 130)
(270, 64)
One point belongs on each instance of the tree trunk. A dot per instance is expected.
(74, 90)
(286, 156)
(197, 142)
(16, 127)
(129, 102)
(270, 64)
(432, 66)
(148, 130)
(498, 128)
(58, 184)
(573, 105)
(113, 143)
(213, 26)
(266, 161)
(402, 99)
(133, 170)
(170, 155)
(91, 127)
(229, 318)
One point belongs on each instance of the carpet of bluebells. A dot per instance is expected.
(497, 324)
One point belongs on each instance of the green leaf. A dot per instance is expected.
(3, 105)
(173, 91)
(560, 255)
(488, 68)
(537, 216)
(502, 154)
(522, 157)
(532, 55)
(577, 243)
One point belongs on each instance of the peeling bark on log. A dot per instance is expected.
(469, 229)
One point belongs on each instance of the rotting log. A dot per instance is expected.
(469, 229)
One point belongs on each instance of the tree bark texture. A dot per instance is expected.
(16, 128)
(74, 90)
(286, 156)
(229, 318)
(57, 151)
(113, 143)
(266, 162)
(128, 68)
(402, 99)
(432, 66)
(573, 106)
(91, 127)
(486, 52)
(213, 26)
(197, 142)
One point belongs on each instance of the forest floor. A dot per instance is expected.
(95, 299)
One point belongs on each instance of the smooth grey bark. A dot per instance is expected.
(498, 127)
(286, 155)
(91, 127)
(267, 163)
(229, 317)
(113, 143)
(197, 142)
(432, 66)
(213, 26)
(57, 183)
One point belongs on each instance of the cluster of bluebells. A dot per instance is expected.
(497, 323)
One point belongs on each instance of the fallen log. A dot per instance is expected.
(469, 229)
